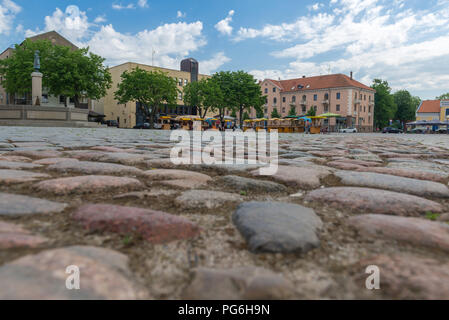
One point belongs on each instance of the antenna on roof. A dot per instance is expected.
(152, 56)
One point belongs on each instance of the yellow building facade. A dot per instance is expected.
(127, 115)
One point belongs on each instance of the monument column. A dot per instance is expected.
(36, 81)
(36, 91)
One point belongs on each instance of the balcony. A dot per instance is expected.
(303, 102)
(357, 101)
(371, 103)
(326, 101)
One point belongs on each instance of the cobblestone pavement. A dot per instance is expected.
(138, 227)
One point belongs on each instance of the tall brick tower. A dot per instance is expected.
(192, 66)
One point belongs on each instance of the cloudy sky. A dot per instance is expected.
(405, 42)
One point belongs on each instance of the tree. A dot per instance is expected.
(240, 91)
(16, 70)
(292, 111)
(385, 107)
(77, 73)
(443, 97)
(275, 113)
(406, 108)
(150, 89)
(245, 116)
(311, 112)
(68, 72)
(204, 94)
(259, 112)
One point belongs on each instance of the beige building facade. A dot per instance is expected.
(336, 93)
(128, 115)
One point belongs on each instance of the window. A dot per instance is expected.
(275, 100)
(179, 82)
(283, 110)
(304, 98)
(283, 99)
(71, 100)
(186, 82)
(294, 99)
(44, 98)
(266, 90)
(274, 89)
(369, 109)
(356, 95)
(326, 96)
(364, 109)
(180, 95)
(304, 109)
(315, 97)
(338, 107)
(364, 97)
(338, 95)
(62, 99)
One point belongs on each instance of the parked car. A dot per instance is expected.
(442, 130)
(111, 123)
(417, 130)
(348, 130)
(392, 130)
(145, 125)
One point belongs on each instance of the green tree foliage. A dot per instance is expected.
(72, 73)
(150, 89)
(77, 73)
(292, 111)
(311, 112)
(259, 112)
(275, 113)
(443, 97)
(406, 108)
(245, 116)
(16, 70)
(240, 91)
(205, 94)
(385, 107)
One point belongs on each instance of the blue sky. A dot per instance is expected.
(405, 42)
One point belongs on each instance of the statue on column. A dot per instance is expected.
(36, 78)
(37, 61)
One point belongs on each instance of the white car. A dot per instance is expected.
(348, 130)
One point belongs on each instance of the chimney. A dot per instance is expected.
(351, 75)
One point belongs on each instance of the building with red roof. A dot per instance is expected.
(335, 93)
(433, 110)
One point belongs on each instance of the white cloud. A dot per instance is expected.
(315, 6)
(373, 38)
(306, 27)
(72, 24)
(211, 65)
(100, 19)
(8, 11)
(142, 3)
(180, 14)
(223, 26)
(171, 42)
(116, 6)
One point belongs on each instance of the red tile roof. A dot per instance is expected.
(320, 82)
(429, 106)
